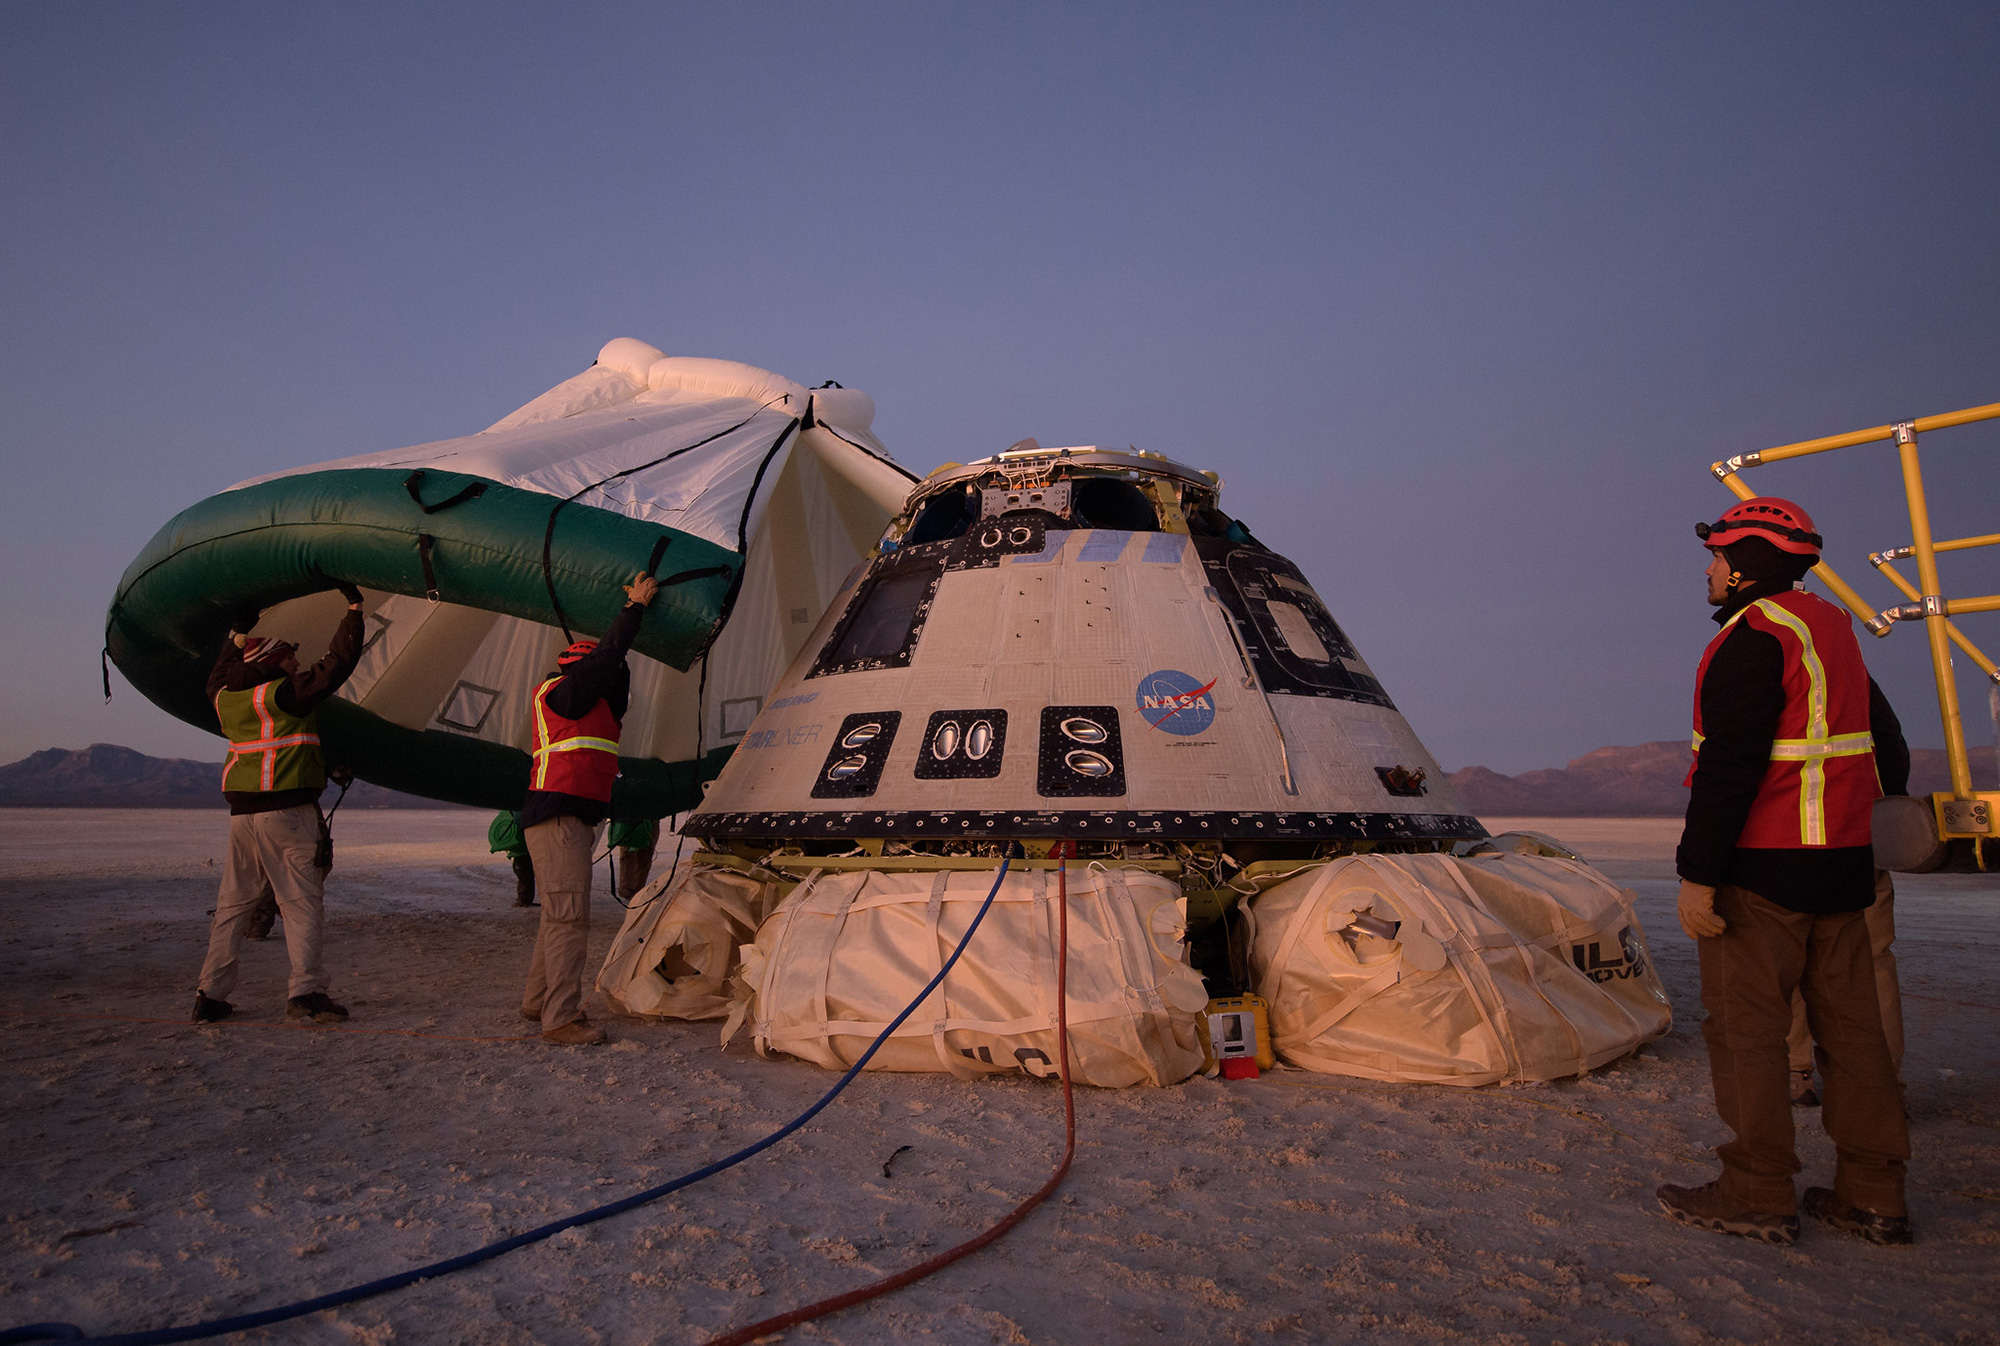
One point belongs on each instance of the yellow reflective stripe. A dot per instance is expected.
(258, 700)
(541, 736)
(1812, 772)
(1840, 745)
(1699, 739)
(572, 744)
(545, 751)
(259, 745)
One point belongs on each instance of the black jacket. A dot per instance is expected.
(1742, 699)
(600, 675)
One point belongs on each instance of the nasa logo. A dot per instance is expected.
(1179, 704)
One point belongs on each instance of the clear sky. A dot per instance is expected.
(1461, 300)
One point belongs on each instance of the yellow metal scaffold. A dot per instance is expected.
(1961, 812)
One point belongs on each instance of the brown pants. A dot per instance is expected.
(1748, 975)
(274, 849)
(560, 849)
(635, 863)
(1881, 919)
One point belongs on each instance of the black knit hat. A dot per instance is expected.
(1757, 560)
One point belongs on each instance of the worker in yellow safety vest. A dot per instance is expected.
(265, 703)
(1777, 871)
(577, 715)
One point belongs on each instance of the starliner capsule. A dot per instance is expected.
(1074, 658)
(1079, 643)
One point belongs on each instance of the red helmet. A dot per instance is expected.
(575, 652)
(1779, 522)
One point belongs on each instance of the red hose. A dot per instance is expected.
(742, 1336)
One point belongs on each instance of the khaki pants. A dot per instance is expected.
(560, 849)
(1748, 976)
(274, 848)
(1881, 921)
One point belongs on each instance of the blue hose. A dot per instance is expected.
(33, 1332)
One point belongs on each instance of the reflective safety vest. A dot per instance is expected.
(574, 757)
(269, 747)
(1821, 783)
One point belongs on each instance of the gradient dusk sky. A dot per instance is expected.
(1460, 299)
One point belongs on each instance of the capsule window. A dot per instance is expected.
(883, 621)
(1296, 628)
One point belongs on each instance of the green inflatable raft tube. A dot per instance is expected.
(456, 538)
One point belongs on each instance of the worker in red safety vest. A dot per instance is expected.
(264, 704)
(1776, 872)
(577, 715)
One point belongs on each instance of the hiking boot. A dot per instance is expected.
(1886, 1230)
(1803, 1093)
(1708, 1207)
(532, 1016)
(318, 1007)
(208, 1011)
(576, 1033)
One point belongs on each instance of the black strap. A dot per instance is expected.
(549, 574)
(104, 667)
(425, 542)
(686, 575)
(326, 819)
(659, 550)
(414, 483)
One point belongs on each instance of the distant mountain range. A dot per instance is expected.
(106, 776)
(1642, 781)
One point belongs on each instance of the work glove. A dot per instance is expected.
(1696, 906)
(642, 589)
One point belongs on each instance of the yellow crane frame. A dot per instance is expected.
(1962, 811)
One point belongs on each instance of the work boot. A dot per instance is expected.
(1886, 1230)
(1708, 1207)
(208, 1011)
(318, 1007)
(1803, 1093)
(576, 1033)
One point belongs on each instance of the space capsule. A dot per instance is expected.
(1079, 643)
(1078, 646)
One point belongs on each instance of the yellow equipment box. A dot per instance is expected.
(1236, 1026)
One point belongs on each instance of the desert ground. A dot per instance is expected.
(157, 1173)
